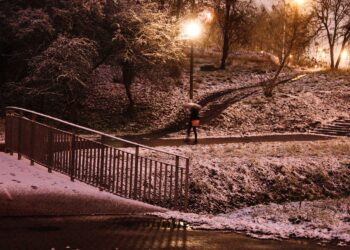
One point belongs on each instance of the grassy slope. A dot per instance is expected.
(225, 177)
(298, 106)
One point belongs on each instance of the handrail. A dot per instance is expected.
(94, 131)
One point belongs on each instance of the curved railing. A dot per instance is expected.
(122, 167)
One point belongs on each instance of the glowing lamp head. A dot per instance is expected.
(192, 30)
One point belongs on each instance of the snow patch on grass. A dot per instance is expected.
(228, 176)
(324, 220)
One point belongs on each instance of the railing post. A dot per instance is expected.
(101, 184)
(176, 180)
(32, 140)
(101, 180)
(8, 134)
(19, 136)
(136, 170)
(72, 158)
(50, 150)
(187, 177)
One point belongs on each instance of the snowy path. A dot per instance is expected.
(31, 190)
(156, 142)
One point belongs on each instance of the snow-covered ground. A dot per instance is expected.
(229, 176)
(156, 104)
(31, 190)
(106, 105)
(251, 187)
(323, 220)
(317, 98)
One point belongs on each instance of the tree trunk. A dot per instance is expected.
(226, 45)
(339, 58)
(270, 85)
(129, 95)
(345, 40)
(332, 55)
(161, 4)
(128, 77)
(178, 8)
(225, 52)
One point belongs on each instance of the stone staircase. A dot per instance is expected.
(338, 127)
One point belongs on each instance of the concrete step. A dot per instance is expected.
(332, 132)
(345, 125)
(336, 127)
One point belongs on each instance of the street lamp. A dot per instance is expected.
(192, 30)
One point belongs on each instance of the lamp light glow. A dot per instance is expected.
(299, 2)
(344, 54)
(192, 29)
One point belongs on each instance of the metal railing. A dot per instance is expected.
(132, 170)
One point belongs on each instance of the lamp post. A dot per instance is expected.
(192, 30)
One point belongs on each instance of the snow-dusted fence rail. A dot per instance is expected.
(133, 171)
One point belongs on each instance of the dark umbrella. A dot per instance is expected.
(192, 105)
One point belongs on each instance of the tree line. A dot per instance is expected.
(49, 48)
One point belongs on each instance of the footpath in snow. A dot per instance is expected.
(31, 190)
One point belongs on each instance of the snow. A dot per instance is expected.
(324, 220)
(107, 103)
(22, 185)
(297, 106)
(229, 176)
(250, 187)
(317, 98)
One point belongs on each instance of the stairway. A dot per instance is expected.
(338, 127)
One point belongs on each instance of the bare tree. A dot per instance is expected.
(145, 44)
(334, 20)
(233, 17)
(298, 31)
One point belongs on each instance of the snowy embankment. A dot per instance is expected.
(324, 220)
(31, 190)
(230, 176)
(251, 186)
(296, 106)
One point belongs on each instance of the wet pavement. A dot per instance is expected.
(127, 232)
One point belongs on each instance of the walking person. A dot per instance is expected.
(194, 121)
